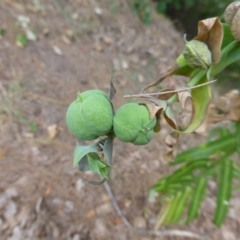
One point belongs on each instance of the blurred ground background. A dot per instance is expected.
(77, 45)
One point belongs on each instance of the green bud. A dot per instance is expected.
(90, 115)
(197, 54)
(132, 123)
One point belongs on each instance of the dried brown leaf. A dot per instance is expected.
(167, 95)
(185, 100)
(154, 110)
(170, 118)
(210, 31)
(230, 105)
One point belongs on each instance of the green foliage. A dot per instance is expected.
(22, 40)
(212, 160)
(2, 31)
(33, 127)
(162, 6)
(142, 9)
(185, 189)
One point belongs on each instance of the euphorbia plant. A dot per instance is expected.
(93, 116)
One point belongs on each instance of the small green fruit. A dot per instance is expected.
(132, 123)
(90, 115)
(197, 54)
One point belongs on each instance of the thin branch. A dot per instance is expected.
(115, 206)
(172, 91)
(161, 233)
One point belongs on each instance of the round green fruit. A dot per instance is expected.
(132, 123)
(90, 115)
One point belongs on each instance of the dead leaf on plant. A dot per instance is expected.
(210, 31)
(185, 100)
(163, 96)
(153, 109)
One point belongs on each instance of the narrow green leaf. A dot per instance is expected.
(165, 211)
(224, 191)
(187, 170)
(197, 199)
(218, 132)
(207, 149)
(169, 216)
(230, 54)
(227, 37)
(181, 205)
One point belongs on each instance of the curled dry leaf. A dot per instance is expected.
(185, 100)
(168, 115)
(210, 31)
(232, 18)
(229, 107)
(171, 140)
(184, 119)
(153, 109)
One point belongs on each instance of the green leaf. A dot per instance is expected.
(97, 166)
(224, 191)
(219, 132)
(83, 165)
(230, 54)
(169, 216)
(108, 149)
(188, 169)
(165, 212)
(207, 149)
(81, 151)
(2, 31)
(93, 159)
(22, 39)
(181, 205)
(227, 37)
(198, 195)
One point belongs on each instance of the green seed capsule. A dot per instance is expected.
(132, 123)
(90, 115)
(197, 54)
